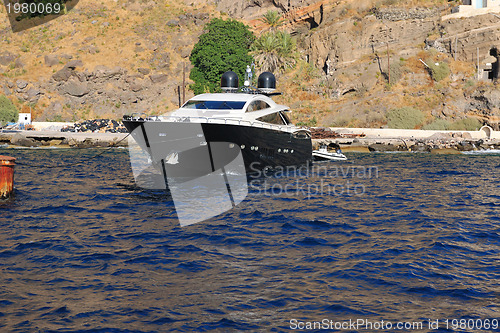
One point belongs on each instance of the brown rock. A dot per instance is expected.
(51, 60)
(21, 140)
(63, 74)
(76, 88)
(6, 58)
(158, 78)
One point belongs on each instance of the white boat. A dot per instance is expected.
(322, 154)
(209, 130)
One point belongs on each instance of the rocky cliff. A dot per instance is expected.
(114, 57)
(101, 59)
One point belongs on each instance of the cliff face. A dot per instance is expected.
(348, 42)
(112, 58)
(103, 59)
(343, 42)
(472, 39)
(253, 9)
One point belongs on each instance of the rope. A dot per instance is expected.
(71, 164)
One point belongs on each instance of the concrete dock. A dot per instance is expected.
(349, 139)
(61, 139)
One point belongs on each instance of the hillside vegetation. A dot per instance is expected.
(109, 58)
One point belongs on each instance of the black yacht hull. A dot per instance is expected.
(261, 148)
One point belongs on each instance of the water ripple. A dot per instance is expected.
(85, 250)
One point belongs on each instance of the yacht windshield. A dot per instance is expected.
(214, 105)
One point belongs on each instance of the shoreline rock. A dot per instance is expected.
(347, 144)
(51, 139)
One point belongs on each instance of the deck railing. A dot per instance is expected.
(211, 120)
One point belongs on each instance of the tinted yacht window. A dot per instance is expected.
(257, 105)
(214, 105)
(273, 118)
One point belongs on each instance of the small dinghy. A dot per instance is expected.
(322, 154)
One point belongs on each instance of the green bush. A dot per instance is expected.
(404, 118)
(438, 125)
(8, 112)
(467, 124)
(396, 70)
(222, 48)
(440, 71)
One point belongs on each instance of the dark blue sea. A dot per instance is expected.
(379, 243)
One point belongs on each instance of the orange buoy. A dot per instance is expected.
(6, 176)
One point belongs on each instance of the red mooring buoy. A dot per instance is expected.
(6, 176)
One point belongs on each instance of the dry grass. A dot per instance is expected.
(462, 67)
(107, 26)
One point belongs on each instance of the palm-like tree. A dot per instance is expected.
(272, 19)
(274, 51)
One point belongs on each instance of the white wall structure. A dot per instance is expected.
(473, 8)
(481, 3)
(24, 118)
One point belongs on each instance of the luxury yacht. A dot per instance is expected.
(209, 131)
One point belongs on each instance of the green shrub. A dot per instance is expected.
(396, 70)
(440, 71)
(8, 112)
(438, 125)
(225, 46)
(404, 118)
(467, 124)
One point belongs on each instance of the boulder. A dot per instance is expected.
(55, 142)
(21, 84)
(135, 86)
(76, 88)
(173, 23)
(6, 58)
(51, 60)
(381, 147)
(107, 73)
(73, 64)
(21, 140)
(158, 78)
(63, 74)
(18, 63)
(66, 56)
(33, 94)
(466, 146)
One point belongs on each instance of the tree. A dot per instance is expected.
(272, 19)
(8, 112)
(275, 50)
(225, 46)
